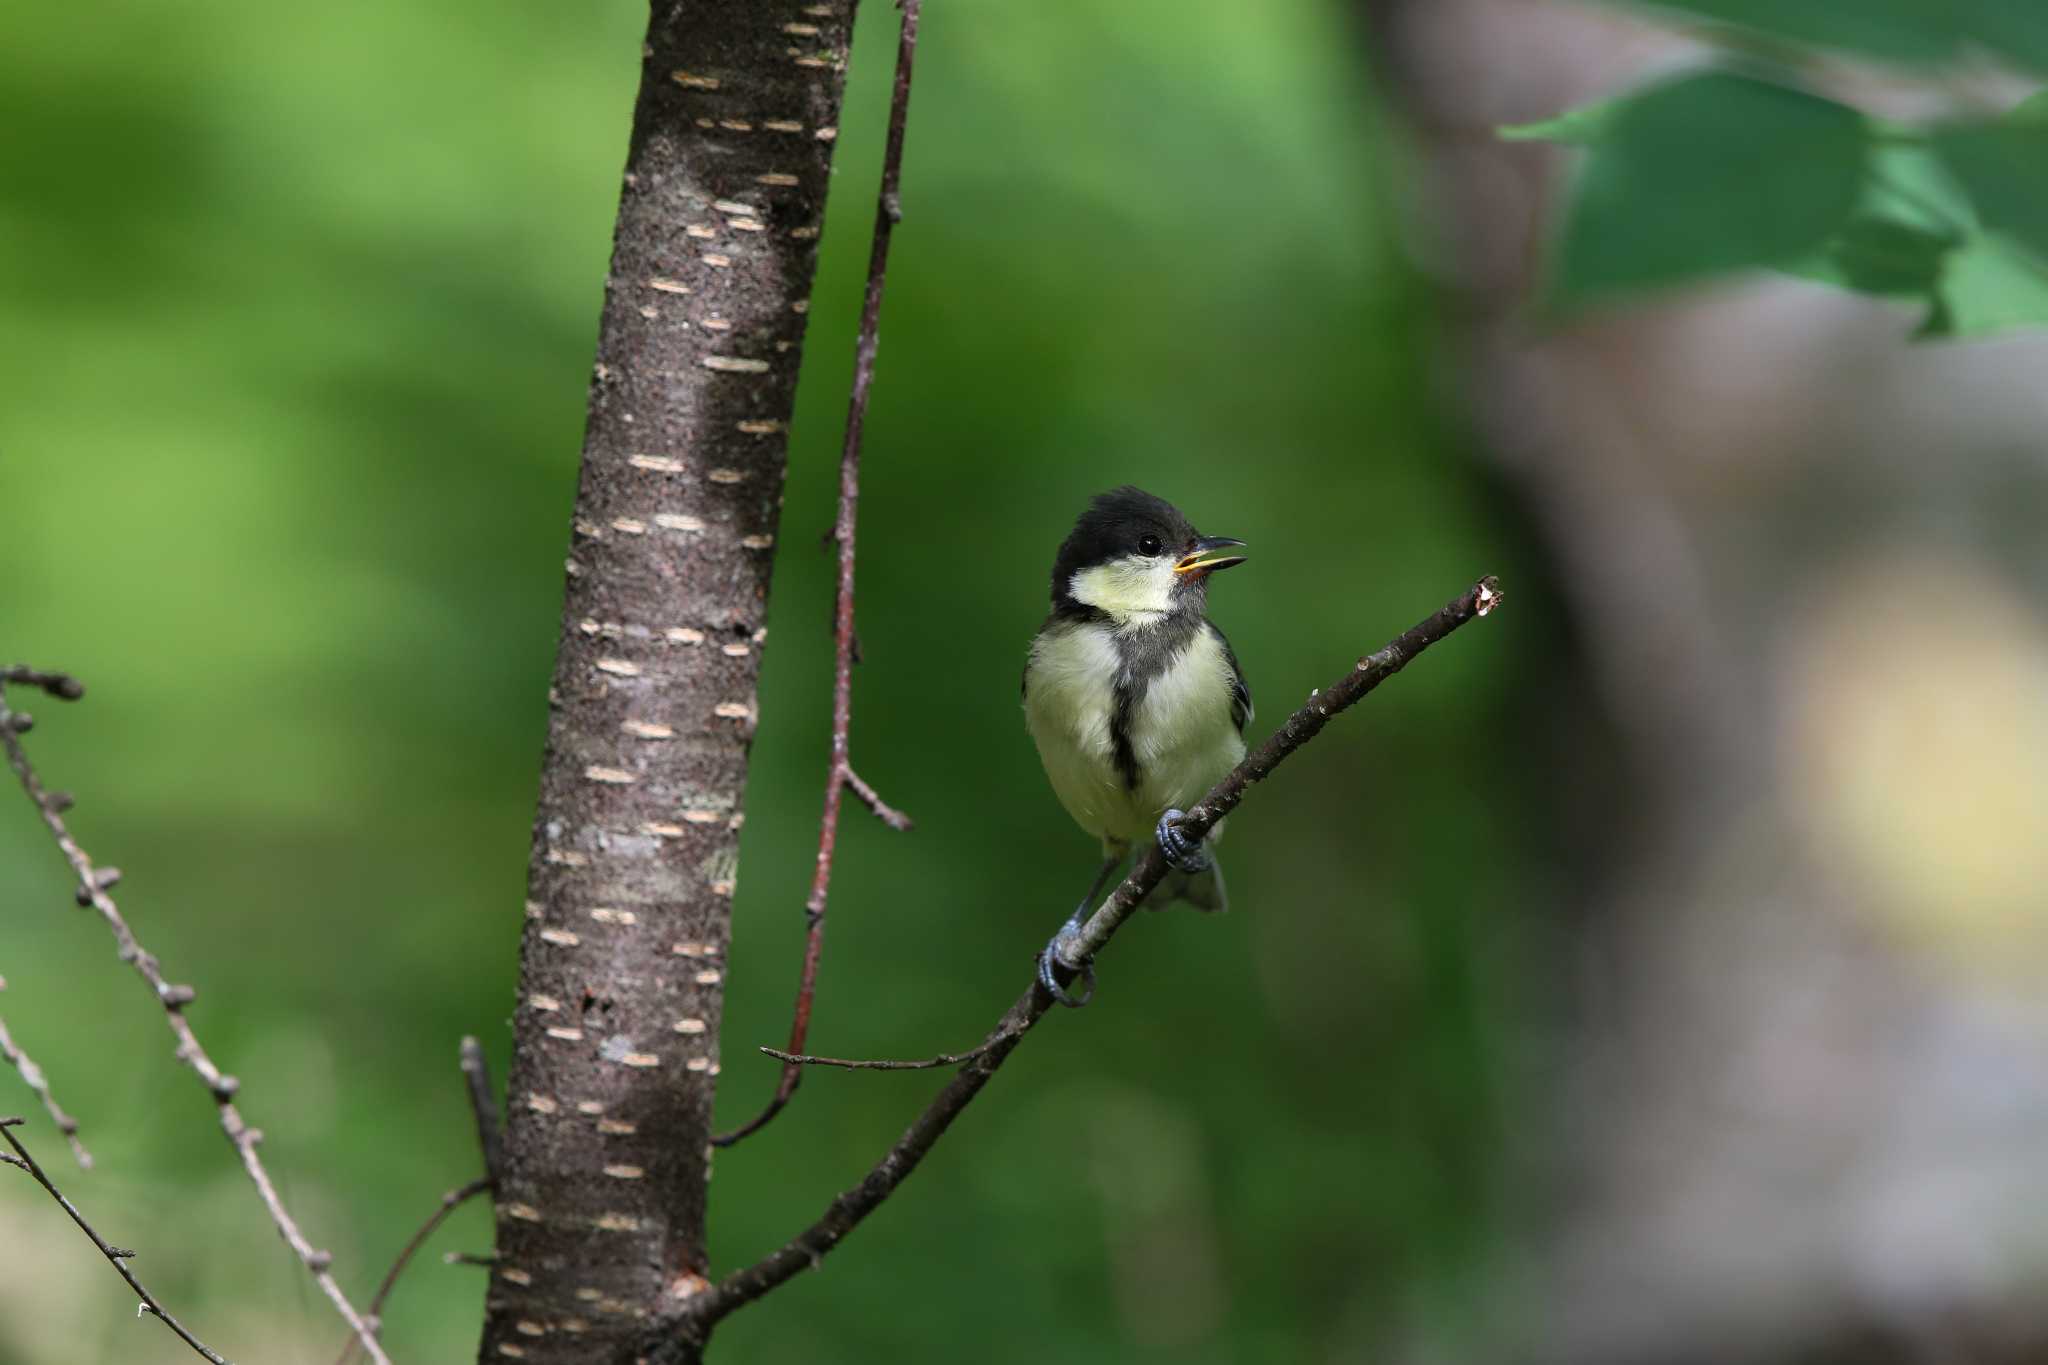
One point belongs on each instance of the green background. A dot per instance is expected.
(297, 305)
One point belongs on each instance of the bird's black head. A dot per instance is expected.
(1132, 553)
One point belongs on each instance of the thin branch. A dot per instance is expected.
(93, 884)
(117, 1257)
(62, 686)
(468, 1258)
(839, 773)
(845, 1213)
(483, 1106)
(886, 813)
(883, 1063)
(450, 1202)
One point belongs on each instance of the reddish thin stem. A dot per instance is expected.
(839, 773)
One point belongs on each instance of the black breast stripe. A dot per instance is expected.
(1120, 729)
(1142, 656)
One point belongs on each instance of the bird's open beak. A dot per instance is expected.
(1193, 563)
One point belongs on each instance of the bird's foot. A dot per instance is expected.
(1183, 854)
(1055, 955)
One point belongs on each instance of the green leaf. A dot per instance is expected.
(1990, 285)
(1885, 256)
(2004, 168)
(1915, 220)
(1582, 125)
(1709, 173)
(1907, 181)
(1902, 30)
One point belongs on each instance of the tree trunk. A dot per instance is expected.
(601, 1203)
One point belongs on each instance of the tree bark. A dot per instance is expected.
(601, 1208)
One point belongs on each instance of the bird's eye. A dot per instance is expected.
(1148, 545)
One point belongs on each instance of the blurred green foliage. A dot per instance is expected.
(1747, 168)
(1911, 32)
(297, 305)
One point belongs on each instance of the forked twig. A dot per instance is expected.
(839, 773)
(809, 1247)
(93, 885)
(450, 1202)
(476, 1073)
(118, 1257)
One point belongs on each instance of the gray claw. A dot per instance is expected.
(1182, 853)
(1053, 954)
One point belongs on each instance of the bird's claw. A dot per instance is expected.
(1183, 854)
(1055, 954)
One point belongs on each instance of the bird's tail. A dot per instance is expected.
(1203, 890)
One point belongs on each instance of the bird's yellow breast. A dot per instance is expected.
(1177, 725)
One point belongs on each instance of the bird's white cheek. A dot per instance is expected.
(1133, 585)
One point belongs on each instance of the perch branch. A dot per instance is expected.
(450, 1202)
(93, 884)
(845, 1213)
(117, 1257)
(32, 1076)
(839, 773)
(483, 1106)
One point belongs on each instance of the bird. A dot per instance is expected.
(1134, 698)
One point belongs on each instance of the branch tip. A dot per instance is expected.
(483, 1105)
(1487, 595)
(872, 799)
(62, 686)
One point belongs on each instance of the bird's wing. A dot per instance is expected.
(1240, 690)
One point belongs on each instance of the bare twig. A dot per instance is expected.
(118, 1257)
(483, 1105)
(839, 773)
(93, 883)
(468, 1258)
(32, 1076)
(886, 813)
(845, 1213)
(450, 1202)
(883, 1063)
(60, 685)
